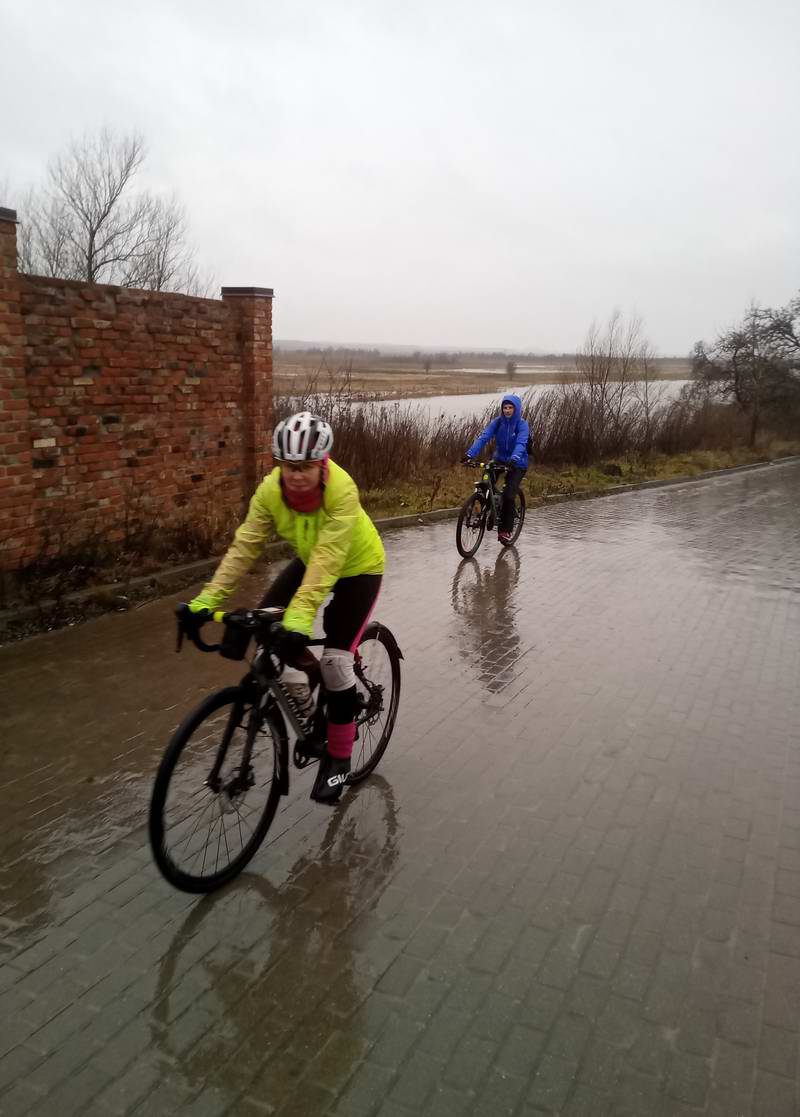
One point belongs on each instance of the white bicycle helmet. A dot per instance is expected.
(302, 438)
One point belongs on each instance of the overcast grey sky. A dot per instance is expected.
(445, 172)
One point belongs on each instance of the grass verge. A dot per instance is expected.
(448, 488)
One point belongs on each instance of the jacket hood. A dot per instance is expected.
(510, 398)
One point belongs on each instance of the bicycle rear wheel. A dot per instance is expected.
(377, 668)
(210, 809)
(471, 525)
(519, 518)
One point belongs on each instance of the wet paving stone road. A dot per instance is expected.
(573, 886)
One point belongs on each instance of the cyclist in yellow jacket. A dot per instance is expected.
(313, 504)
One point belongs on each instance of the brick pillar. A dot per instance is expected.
(16, 476)
(253, 305)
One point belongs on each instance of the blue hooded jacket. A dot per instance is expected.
(510, 435)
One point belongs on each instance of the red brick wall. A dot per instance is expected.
(125, 404)
(16, 481)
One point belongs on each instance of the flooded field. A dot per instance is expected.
(383, 377)
(475, 403)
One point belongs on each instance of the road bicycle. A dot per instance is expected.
(227, 765)
(481, 510)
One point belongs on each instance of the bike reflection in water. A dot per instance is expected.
(259, 978)
(483, 600)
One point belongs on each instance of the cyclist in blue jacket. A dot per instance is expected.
(510, 433)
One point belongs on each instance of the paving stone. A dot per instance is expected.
(501, 1095)
(552, 1083)
(75, 1095)
(774, 1096)
(569, 1037)
(520, 1052)
(416, 1080)
(689, 1079)
(777, 1052)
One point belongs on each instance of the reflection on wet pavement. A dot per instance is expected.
(484, 603)
(572, 887)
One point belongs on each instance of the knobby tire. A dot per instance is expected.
(473, 507)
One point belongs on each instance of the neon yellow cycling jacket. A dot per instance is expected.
(338, 540)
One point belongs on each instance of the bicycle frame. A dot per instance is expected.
(266, 689)
(272, 685)
(263, 680)
(487, 485)
(266, 676)
(264, 683)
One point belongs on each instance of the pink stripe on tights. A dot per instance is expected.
(360, 632)
(340, 739)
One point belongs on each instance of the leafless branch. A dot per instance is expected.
(88, 223)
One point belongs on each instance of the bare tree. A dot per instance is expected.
(754, 365)
(168, 262)
(511, 368)
(44, 237)
(88, 221)
(604, 364)
(784, 331)
(649, 393)
(614, 391)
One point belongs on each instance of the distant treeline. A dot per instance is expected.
(441, 357)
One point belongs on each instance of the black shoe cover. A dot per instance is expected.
(331, 778)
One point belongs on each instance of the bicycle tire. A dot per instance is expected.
(381, 636)
(519, 519)
(474, 506)
(239, 705)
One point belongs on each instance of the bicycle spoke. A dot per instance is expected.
(207, 791)
(204, 832)
(205, 854)
(245, 813)
(199, 819)
(225, 834)
(219, 839)
(239, 824)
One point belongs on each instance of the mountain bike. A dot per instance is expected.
(222, 775)
(481, 510)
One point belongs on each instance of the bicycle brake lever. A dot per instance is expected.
(180, 613)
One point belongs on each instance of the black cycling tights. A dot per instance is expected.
(343, 620)
(513, 482)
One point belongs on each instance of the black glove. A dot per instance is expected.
(289, 645)
(466, 460)
(191, 620)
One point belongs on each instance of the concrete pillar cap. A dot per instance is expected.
(247, 293)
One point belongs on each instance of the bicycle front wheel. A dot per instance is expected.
(471, 525)
(377, 669)
(519, 518)
(216, 792)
